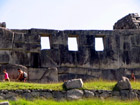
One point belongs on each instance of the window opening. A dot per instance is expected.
(45, 42)
(99, 45)
(72, 44)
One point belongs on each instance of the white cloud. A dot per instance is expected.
(66, 14)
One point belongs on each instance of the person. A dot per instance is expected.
(133, 76)
(22, 75)
(6, 76)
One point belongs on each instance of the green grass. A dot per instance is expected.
(100, 85)
(96, 85)
(79, 102)
(107, 85)
(20, 85)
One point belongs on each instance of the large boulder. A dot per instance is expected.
(123, 84)
(74, 94)
(73, 84)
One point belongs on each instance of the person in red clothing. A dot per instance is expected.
(133, 77)
(6, 76)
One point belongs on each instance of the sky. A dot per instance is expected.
(65, 14)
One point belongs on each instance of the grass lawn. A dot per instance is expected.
(97, 85)
(79, 102)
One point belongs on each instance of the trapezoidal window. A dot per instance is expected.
(72, 44)
(99, 44)
(45, 42)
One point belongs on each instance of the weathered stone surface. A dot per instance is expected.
(27, 96)
(131, 21)
(35, 94)
(43, 75)
(115, 93)
(59, 95)
(4, 103)
(89, 94)
(73, 84)
(51, 75)
(47, 95)
(10, 96)
(127, 94)
(104, 95)
(74, 94)
(123, 84)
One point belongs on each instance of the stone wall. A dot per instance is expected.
(119, 57)
(69, 95)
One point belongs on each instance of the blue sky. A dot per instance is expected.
(65, 14)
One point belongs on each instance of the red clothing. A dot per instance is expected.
(6, 76)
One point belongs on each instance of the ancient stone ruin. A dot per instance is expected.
(71, 92)
(119, 57)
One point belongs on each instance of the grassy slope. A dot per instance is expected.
(79, 102)
(100, 85)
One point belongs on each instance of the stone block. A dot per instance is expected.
(5, 56)
(89, 94)
(19, 37)
(47, 95)
(50, 58)
(43, 75)
(32, 47)
(35, 73)
(74, 94)
(51, 75)
(4, 103)
(123, 84)
(59, 95)
(73, 84)
(19, 57)
(104, 95)
(115, 93)
(33, 38)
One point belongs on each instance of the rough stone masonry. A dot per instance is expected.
(120, 57)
